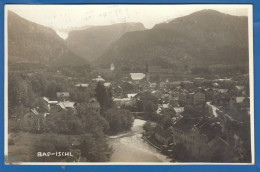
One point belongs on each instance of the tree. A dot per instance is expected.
(147, 126)
(50, 143)
(52, 88)
(149, 107)
(16, 89)
(119, 120)
(38, 83)
(79, 96)
(20, 91)
(104, 97)
(64, 123)
(166, 121)
(92, 122)
(95, 149)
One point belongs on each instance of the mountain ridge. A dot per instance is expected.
(92, 42)
(202, 38)
(32, 42)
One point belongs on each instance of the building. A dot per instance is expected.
(240, 104)
(184, 133)
(199, 98)
(187, 84)
(82, 87)
(190, 99)
(127, 87)
(118, 102)
(49, 104)
(222, 99)
(107, 84)
(198, 135)
(117, 92)
(149, 102)
(63, 96)
(178, 110)
(99, 79)
(66, 106)
(163, 136)
(174, 101)
(137, 77)
(209, 94)
(157, 73)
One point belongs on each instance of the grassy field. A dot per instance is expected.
(24, 147)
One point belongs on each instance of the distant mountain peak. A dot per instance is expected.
(207, 37)
(31, 42)
(91, 43)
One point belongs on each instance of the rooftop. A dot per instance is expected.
(137, 76)
(107, 84)
(50, 101)
(217, 141)
(186, 124)
(64, 94)
(162, 132)
(82, 85)
(123, 99)
(221, 90)
(178, 109)
(240, 99)
(66, 104)
(131, 95)
(240, 87)
(99, 78)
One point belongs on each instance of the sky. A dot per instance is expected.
(63, 18)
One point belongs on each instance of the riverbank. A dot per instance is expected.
(131, 147)
(151, 143)
(163, 149)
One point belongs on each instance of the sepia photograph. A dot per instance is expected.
(129, 84)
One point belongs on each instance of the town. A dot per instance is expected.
(195, 120)
(172, 88)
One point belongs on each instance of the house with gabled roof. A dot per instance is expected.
(66, 106)
(163, 136)
(198, 135)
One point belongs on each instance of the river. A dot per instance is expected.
(130, 147)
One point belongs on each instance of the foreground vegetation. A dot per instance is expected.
(84, 131)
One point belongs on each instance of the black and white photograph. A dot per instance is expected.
(124, 84)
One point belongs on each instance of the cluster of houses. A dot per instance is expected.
(201, 137)
(37, 116)
(234, 97)
(220, 100)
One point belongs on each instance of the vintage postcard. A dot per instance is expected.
(129, 84)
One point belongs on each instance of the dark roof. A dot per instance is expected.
(186, 123)
(210, 128)
(218, 141)
(162, 132)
